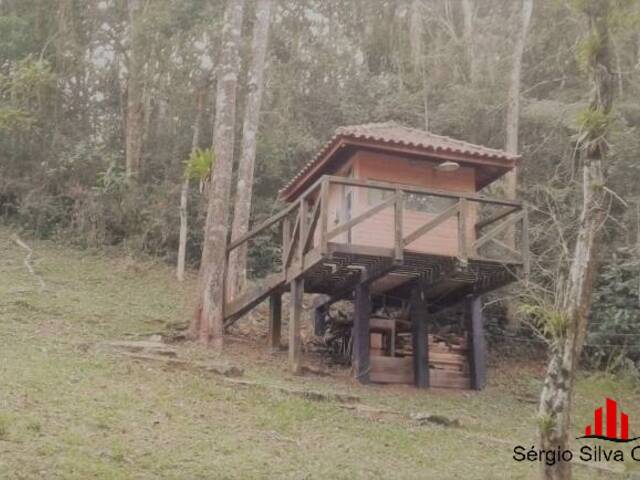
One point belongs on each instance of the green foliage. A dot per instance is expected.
(587, 51)
(547, 319)
(592, 124)
(15, 119)
(199, 164)
(614, 326)
(546, 424)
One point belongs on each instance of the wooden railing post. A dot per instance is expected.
(324, 216)
(286, 241)
(463, 247)
(302, 231)
(398, 241)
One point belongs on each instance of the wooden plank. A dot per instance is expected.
(398, 242)
(324, 216)
(320, 315)
(507, 248)
(391, 369)
(421, 190)
(360, 218)
(241, 305)
(290, 248)
(449, 379)
(478, 351)
(418, 313)
(497, 216)
(497, 230)
(463, 213)
(430, 225)
(286, 239)
(275, 321)
(362, 303)
(361, 250)
(295, 323)
(261, 226)
(303, 230)
(315, 215)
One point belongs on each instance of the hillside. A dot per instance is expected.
(71, 409)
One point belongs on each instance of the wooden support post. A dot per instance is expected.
(324, 216)
(275, 321)
(286, 239)
(320, 309)
(463, 247)
(361, 332)
(477, 346)
(302, 231)
(418, 311)
(295, 322)
(398, 229)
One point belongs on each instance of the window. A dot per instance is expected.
(427, 203)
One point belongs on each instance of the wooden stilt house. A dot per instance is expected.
(385, 210)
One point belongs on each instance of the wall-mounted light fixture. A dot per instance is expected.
(448, 166)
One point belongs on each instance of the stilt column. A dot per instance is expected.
(275, 321)
(477, 345)
(419, 315)
(361, 333)
(295, 322)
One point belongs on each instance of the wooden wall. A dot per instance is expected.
(378, 230)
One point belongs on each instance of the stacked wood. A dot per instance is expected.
(448, 362)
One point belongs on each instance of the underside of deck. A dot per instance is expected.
(447, 280)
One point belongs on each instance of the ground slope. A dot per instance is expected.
(72, 410)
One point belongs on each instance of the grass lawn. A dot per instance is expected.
(71, 410)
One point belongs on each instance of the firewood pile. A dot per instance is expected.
(448, 358)
(336, 341)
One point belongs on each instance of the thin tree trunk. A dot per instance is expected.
(416, 37)
(513, 117)
(237, 271)
(135, 91)
(208, 320)
(513, 104)
(468, 17)
(184, 191)
(575, 299)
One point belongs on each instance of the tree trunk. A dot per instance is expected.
(237, 275)
(416, 37)
(184, 191)
(513, 104)
(513, 116)
(575, 299)
(468, 17)
(135, 91)
(209, 316)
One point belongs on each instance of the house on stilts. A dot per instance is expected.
(388, 211)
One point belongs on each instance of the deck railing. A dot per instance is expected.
(304, 224)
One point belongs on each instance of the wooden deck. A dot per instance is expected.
(310, 252)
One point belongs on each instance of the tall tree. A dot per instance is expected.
(135, 89)
(416, 39)
(242, 209)
(201, 95)
(208, 321)
(513, 102)
(570, 312)
(468, 19)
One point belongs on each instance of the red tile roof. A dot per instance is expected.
(394, 134)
